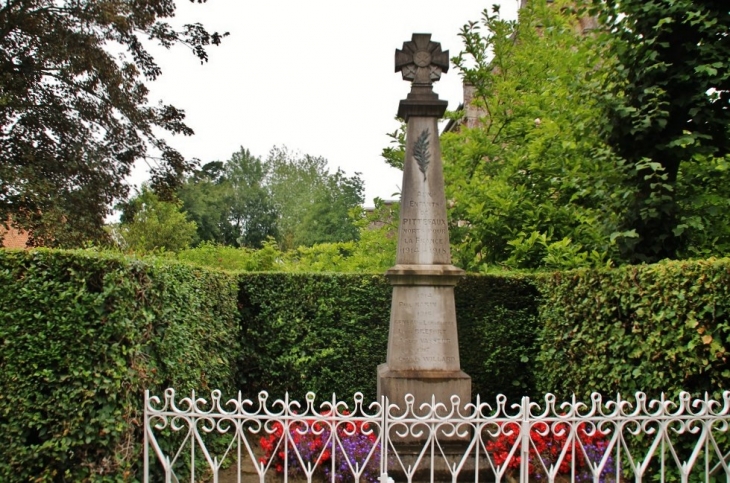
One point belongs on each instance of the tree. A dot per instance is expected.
(74, 113)
(252, 211)
(291, 198)
(328, 219)
(312, 204)
(155, 224)
(230, 203)
(668, 116)
(206, 197)
(530, 183)
(373, 252)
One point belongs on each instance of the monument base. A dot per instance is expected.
(425, 386)
(442, 467)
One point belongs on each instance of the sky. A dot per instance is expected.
(316, 76)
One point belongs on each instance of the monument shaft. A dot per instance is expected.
(423, 236)
(423, 345)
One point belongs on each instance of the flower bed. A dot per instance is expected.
(550, 446)
(323, 448)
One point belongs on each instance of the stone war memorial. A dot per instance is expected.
(423, 344)
(423, 433)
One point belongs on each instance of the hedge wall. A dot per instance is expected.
(312, 332)
(328, 332)
(82, 336)
(498, 333)
(652, 328)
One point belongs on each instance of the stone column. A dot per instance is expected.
(423, 345)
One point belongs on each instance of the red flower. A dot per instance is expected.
(546, 444)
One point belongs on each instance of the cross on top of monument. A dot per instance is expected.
(421, 61)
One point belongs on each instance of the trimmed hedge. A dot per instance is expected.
(84, 333)
(328, 332)
(652, 328)
(312, 332)
(82, 336)
(498, 333)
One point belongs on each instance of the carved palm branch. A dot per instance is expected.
(420, 152)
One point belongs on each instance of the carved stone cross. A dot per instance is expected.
(421, 61)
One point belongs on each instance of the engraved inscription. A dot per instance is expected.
(434, 250)
(439, 359)
(417, 322)
(410, 222)
(421, 331)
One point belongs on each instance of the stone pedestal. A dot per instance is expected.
(423, 344)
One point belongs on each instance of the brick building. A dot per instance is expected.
(13, 238)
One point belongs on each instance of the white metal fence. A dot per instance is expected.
(239, 440)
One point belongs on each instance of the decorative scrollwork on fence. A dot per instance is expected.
(195, 439)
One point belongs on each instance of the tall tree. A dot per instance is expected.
(74, 113)
(312, 204)
(527, 177)
(668, 115)
(150, 224)
(252, 210)
(230, 202)
(207, 196)
(328, 219)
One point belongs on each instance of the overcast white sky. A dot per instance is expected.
(316, 76)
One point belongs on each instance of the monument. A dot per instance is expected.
(423, 346)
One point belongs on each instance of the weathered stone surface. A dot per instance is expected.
(423, 237)
(423, 344)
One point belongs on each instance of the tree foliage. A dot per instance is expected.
(373, 251)
(206, 198)
(74, 112)
(252, 211)
(230, 202)
(150, 224)
(530, 182)
(668, 116)
(313, 204)
(289, 197)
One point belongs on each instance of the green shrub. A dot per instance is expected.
(652, 328)
(498, 327)
(312, 332)
(328, 333)
(83, 334)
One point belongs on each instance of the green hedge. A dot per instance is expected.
(328, 332)
(652, 328)
(498, 328)
(312, 332)
(82, 336)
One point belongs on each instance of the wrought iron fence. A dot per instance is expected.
(239, 440)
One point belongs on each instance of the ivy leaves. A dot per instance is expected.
(664, 324)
